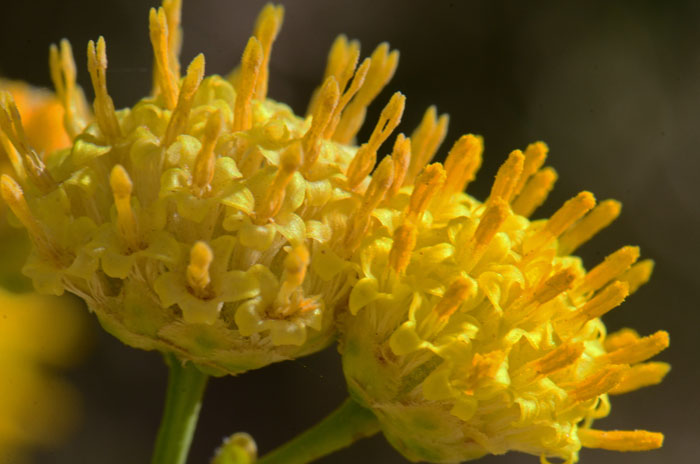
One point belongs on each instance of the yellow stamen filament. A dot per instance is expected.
(462, 163)
(535, 192)
(382, 180)
(198, 277)
(612, 267)
(401, 154)
(250, 68)
(290, 161)
(611, 297)
(380, 72)
(639, 351)
(427, 186)
(571, 211)
(507, 177)
(354, 87)
(63, 75)
(104, 106)
(535, 155)
(596, 220)
(404, 243)
(620, 338)
(555, 286)
(11, 126)
(266, 29)
(166, 82)
(557, 359)
(365, 158)
(181, 113)
(426, 140)
(640, 376)
(621, 440)
(173, 17)
(206, 158)
(295, 264)
(491, 221)
(122, 188)
(322, 114)
(597, 384)
(638, 274)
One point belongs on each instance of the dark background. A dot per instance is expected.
(612, 87)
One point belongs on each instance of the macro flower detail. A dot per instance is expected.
(474, 331)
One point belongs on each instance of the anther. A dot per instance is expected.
(185, 99)
(494, 216)
(426, 140)
(640, 376)
(557, 359)
(426, 187)
(611, 297)
(173, 17)
(355, 85)
(251, 63)
(63, 75)
(620, 440)
(612, 267)
(206, 158)
(323, 112)
(462, 163)
(295, 265)
(535, 155)
(596, 220)
(266, 29)
(639, 351)
(638, 274)
(290, 161)
(597, 383)
(535, 192)
(166, 80)
(507, 177)
(404, 241)
(571, 211)
(198, 277)
(103, 105)
(461, 289)
(122, 188)
(401, 154)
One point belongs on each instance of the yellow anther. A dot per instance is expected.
(350, 92)
(401, 154)
(461, 289)
(290, 161)
(507, 177)
(535, 192)
(365, 158)
(535, 155)
(592, 223)
(198, 277)
(612, 267)
(555, 286)
(382, 180)
(609, 298)
(382, 68)
(251, 63)
(266, 29)
(322, 114)
(638, 274)
(401, 249)
(639, 351)
(571, 211)
(166, 82)
(557, 359)
(13, 195)
(491, 221)
(295, 265)
(620, 440)
(342, 60)
(173, 17)
(462, 163)
(426, 187)
(181, 113)
(640, 376)
(104, 106)
(620, 338)
(204, 164)
(11, 126)
(426, 140)
(597, 383)
(63, 72)
(126, 219)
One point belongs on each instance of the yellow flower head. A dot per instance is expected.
(37, 334)
(474, 331)
(208, 220)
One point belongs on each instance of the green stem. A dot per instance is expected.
(183, 401)
(341, 428)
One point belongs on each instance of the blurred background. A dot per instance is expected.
(612, 87)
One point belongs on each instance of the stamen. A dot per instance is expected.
(355, 86)
(103, 104)
(535, 155)
(620, 338)
(426, 140)
(457, 293)
(365, 158)
(295, 264)
(571, 211)
(621, 440)
(342, 60)
(640, 376)
(462, 162)
(126, 219)
(612, 267)
(598, 383)
(323, 112)
(198, 277)
(401, 154)
(206, 158)
(535, 192)
(494, 216)
(383, 66)
(14, 197)
(611, 297)
(639, 351)
(63, 75)
(638, 274)
(507, 177)
(403, 245)
(427, 186)
(173, 17)
(290, 161)
(600, 217)
(555, 286)
(251, 63)
(166, 80)
(185, 100)
(557, 359)
(266, 29)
